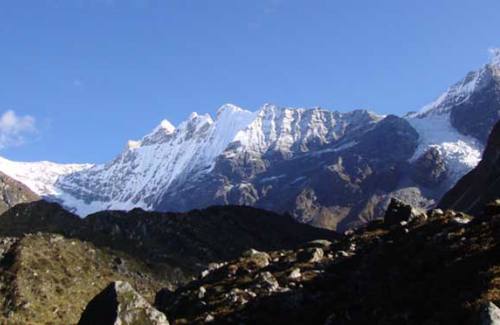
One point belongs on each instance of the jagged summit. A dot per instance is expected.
(461, 91)
(230, 109)
(167, 126)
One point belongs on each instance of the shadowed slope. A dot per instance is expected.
(482, 184)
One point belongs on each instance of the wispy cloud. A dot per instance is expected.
(14, 129)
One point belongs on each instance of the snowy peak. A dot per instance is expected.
(230, 110)
(167, 127)
(160, 134)
(460, 92)
(196, 122)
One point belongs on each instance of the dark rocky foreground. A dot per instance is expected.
(52, 263)
(442, 267)
(438, 267)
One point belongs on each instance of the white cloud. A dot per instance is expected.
(14, 129)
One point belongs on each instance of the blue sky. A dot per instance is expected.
(81, 77)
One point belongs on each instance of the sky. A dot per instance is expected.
(79, 78)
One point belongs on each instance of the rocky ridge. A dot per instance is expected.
(180, 244)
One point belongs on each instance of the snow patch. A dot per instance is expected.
(271, 178)
(341, 147)
(461, 153)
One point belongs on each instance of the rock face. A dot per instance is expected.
(359, 169)
(476, 115)
(329, 169)
(120, 304)
(482, 184)
(13, 192)
(430, 169)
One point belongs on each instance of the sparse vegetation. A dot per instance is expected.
(49, 279)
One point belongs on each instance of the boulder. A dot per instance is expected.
(120, 304)
(295, 274)
(310, 255)
(255, 259)
(267, 281)
(398, 211)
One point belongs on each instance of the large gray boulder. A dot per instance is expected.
(120, 304)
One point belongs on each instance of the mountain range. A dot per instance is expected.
(330, 169)
(440, 266)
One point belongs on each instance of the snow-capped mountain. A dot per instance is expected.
(457, 124)
(327, 168)
(150, 166)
